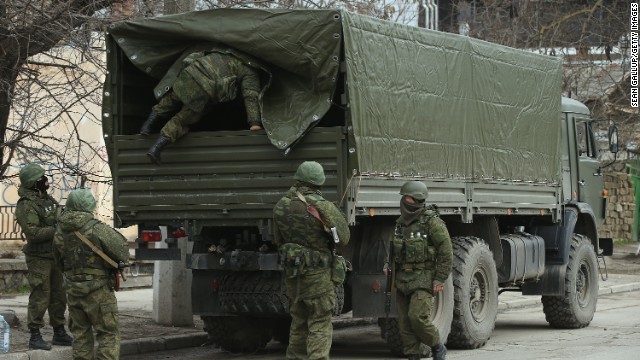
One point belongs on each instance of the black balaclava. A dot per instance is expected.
(410, 212)
(42, 184)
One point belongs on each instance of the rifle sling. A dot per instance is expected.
(96, 250)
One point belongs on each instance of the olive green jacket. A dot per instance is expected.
(439, 243)
(36, 214)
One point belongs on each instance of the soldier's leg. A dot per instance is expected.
(169, 103)
(410, 341)
(38, 277)
(106, 325)
(58, 303)
(297, 349)
(57, 307)
(320, 327)
(81, 327)
(178, 125)
(419, 312)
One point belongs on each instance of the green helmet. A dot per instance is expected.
(81, 200)
(30, 174)
(310, 172)
(415, 189)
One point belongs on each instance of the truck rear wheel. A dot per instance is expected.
(441, 315)
(576, 308)
(238, 333)
(475, 280)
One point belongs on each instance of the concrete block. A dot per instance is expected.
(172, 290)
(15, 356)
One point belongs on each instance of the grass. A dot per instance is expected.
(622, 241)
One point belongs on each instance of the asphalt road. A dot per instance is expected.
(521, 334)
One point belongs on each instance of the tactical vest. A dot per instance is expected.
(80, 262)
(413, 250)
(47, 210)
(305, 250)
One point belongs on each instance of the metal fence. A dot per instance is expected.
(9, 228)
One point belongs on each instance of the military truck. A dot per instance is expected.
(511, 166)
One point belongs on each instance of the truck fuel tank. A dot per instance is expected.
(522, 258)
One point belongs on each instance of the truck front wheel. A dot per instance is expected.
(475, 280)
(575, 309)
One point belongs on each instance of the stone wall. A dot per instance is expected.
(620, 207)
(13, 275)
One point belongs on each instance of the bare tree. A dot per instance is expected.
(589, 35)
(38, 81)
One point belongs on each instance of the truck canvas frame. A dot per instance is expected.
(510, 164)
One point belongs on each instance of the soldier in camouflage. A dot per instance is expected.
(304, 247)
(89, 280)
(423, 256)
(36, 213)
(207, 78)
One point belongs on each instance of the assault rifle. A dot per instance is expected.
(388, 289)
(316, 214)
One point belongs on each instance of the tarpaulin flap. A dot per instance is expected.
(299, 48)
(445, 106)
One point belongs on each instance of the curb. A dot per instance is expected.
(172, 342)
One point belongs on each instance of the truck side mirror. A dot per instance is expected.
(613, 139)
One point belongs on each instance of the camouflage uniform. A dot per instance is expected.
(89, 279)
(414, 281)
(309, 286)
(208, 79)
(36, 214)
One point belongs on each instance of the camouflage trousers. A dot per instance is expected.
(47, 292)
(96, 311)
(178, 126)
(414, 311)
(311, 328)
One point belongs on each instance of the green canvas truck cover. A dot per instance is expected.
(420, 102)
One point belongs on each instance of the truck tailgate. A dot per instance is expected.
(219, 178)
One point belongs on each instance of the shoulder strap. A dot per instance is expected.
(313, 211)
(96, 250)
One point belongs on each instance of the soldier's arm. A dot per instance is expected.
(57, 250)
(35, 230)
(113, 243)
(250, 88)
(334, 218)
(444, 254)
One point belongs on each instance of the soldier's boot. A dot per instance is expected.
(60, 337)
(414, 357)
(152, 122)
(439, 352)
(37, 342)
(156, 148)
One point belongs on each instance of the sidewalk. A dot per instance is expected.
(137, 303)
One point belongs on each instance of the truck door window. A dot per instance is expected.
(583, 139)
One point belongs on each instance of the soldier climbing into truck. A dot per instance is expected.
(205, 78)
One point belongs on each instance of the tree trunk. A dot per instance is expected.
(8, 75)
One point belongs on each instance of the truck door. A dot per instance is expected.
(590, 178)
